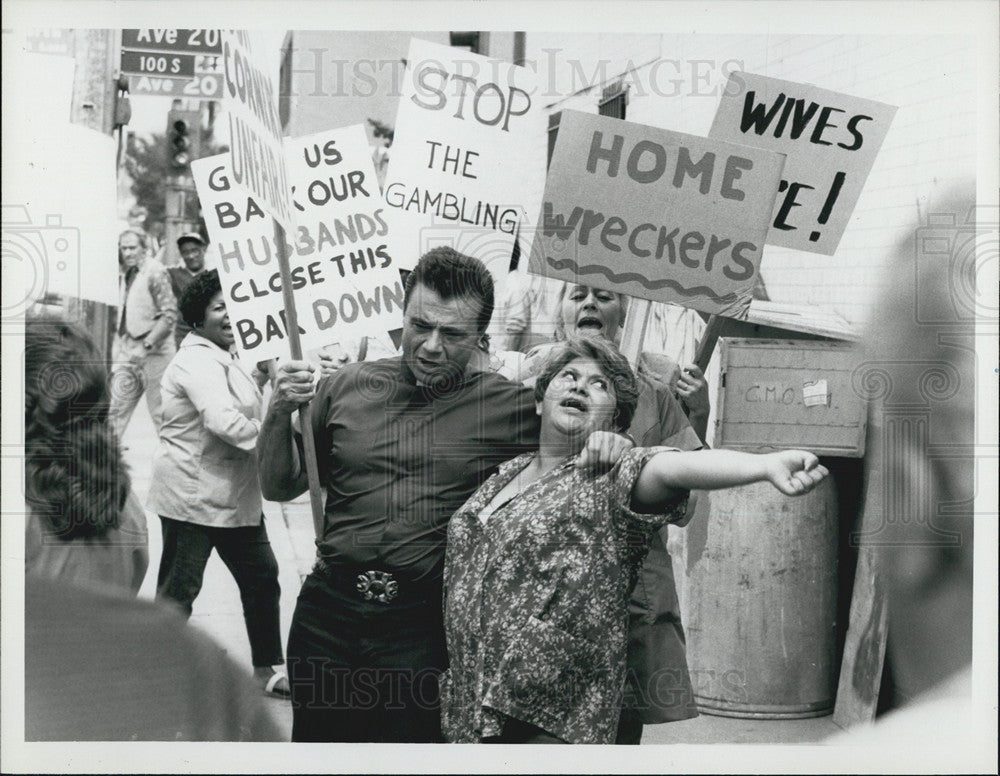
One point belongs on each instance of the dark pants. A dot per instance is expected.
(629, 727)
(365, 671)
(248, 556)
(517, 732)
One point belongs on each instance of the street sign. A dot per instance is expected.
(204, 86)
(173, 40)
(155, 64)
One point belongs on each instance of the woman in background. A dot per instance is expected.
(204, 484)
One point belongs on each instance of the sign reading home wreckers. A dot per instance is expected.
(830, 139)
(344, 276)
(459, 171)
(655, 214)
(256, 151)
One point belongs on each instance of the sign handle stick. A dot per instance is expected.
(635, 331)
(305, 411)
(708, 339)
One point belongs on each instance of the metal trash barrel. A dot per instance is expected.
(760, 588)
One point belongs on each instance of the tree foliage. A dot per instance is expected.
(146, 165)
(147, 168)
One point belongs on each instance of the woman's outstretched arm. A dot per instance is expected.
(793, 472)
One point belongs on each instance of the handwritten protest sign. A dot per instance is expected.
(830, 139)
(655, 214)
(458, 173)
(251, 102)
(344, 278)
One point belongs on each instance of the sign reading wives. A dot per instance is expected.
(458, 173)
(656, 214)
(344, 277)
(830, 139)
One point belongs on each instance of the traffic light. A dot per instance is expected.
(183, 138)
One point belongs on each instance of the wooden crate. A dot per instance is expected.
(782, 394)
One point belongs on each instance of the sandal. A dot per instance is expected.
(277, 686)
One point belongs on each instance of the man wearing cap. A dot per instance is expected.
(192, 249)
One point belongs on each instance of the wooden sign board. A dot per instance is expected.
(787, 394)
(831, 141)
(655, 214)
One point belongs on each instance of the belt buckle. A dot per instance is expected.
(377, 586)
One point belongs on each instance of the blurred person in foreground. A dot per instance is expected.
(144, 343)
(542, 559)
(672, 411)
(99, 664)
(204, 483)
(920, 345)
(84, 525)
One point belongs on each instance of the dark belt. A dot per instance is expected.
(374, 585)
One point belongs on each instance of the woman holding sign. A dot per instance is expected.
(204, 482)
(541, 560)
(672, 410)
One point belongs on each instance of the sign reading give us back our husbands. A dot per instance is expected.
(655, 214)
(830, 139)
(344, 278)
(458, 173)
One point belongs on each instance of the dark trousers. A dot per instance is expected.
(517, 732)
(248, 556)
(629, 727)
(364, 671)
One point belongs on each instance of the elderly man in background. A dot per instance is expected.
(143, 345)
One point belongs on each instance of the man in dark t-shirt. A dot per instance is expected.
(402, 443)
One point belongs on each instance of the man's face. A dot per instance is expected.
(439, 336)
(130, 248)
(193, 255)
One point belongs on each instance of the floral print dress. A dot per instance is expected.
(536, 601)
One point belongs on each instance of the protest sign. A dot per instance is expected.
(830, 139)
(655, 214)
(256, 152)
(343, 274)
(459, 173)
(60, 234)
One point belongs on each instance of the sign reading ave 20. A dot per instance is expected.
(173, 41)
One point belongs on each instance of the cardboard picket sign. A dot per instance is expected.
(458, 173)
(831, 141)
(256, 149)
(344, 276)
(655, 214)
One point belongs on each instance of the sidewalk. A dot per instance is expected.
(217, 611)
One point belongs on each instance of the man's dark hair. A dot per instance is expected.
(449, 274)
(194, 301)
(612, 363)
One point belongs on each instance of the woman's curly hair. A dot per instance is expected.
(75, 479)
(611, 362)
